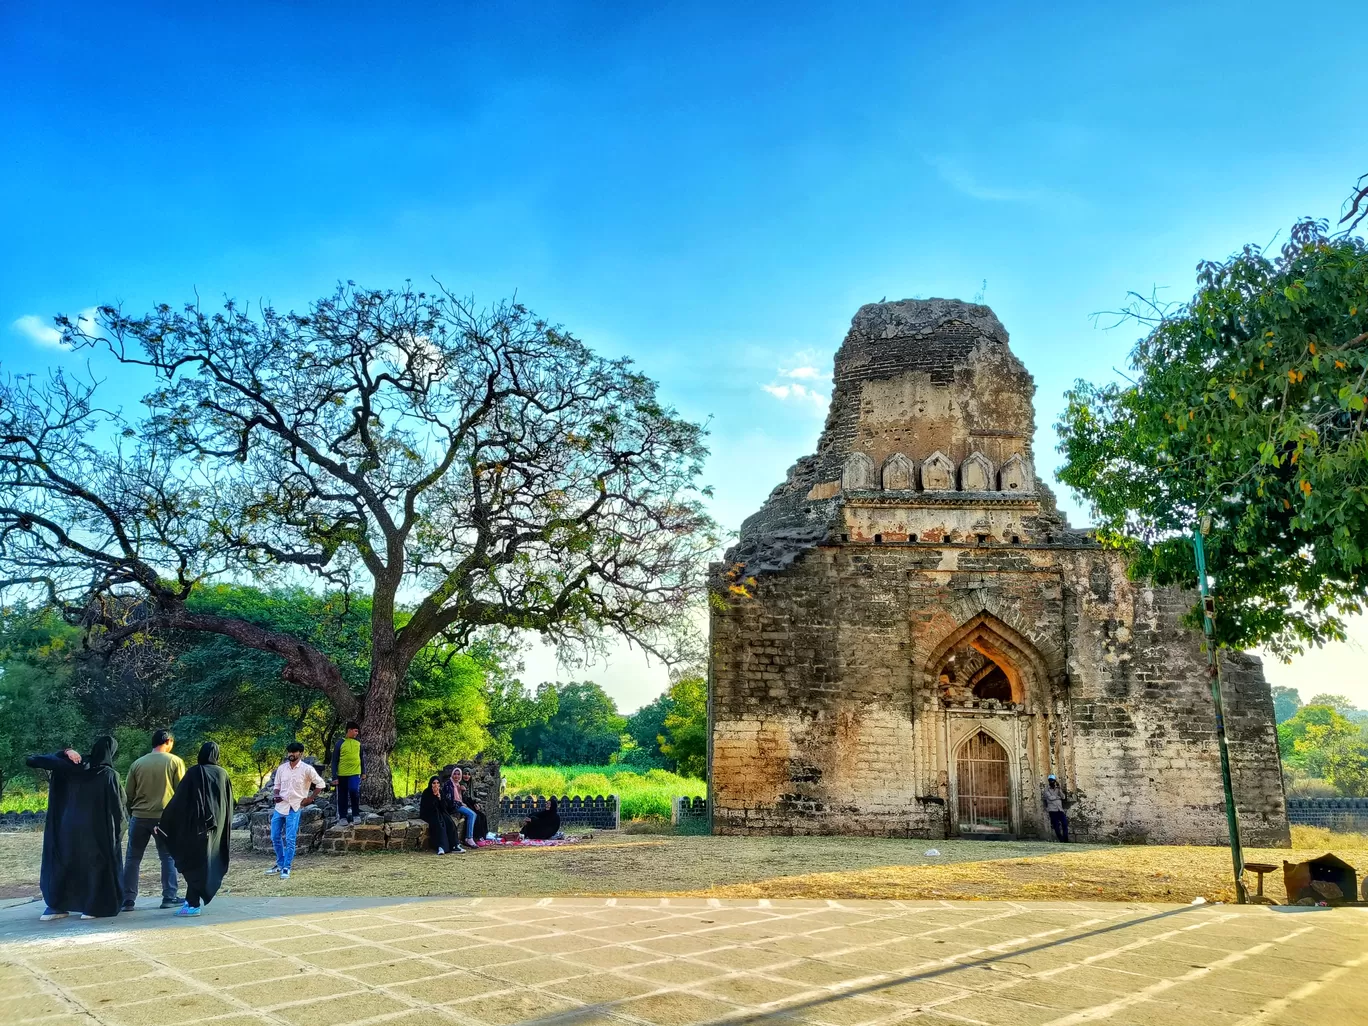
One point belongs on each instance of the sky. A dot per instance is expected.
(708, 190)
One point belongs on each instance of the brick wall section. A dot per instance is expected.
(834, 707)
(818, 694)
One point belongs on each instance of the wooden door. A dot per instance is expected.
(983, 786)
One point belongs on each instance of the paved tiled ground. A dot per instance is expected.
(671, 962)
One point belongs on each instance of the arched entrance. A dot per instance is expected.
(983, 786)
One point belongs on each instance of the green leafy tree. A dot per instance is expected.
(1247, 404)
(37, 713)
(385, 444)
(1307, 716)
(685, 738)
(583, 727)
(441, 713)
(1342, 705)
(1286, 702)
(645, 727)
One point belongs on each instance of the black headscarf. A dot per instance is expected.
(102, 752)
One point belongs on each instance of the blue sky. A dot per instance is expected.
(711, 192)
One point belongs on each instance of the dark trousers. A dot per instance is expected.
(139, 831)
(193, 898)
(348, 797)
(442, 833)
(1060, 822)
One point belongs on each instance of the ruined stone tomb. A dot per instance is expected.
(908, 636)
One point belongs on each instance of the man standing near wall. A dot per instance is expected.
(1053, 796)
(151, 782)
(348, 767)
(295, 784)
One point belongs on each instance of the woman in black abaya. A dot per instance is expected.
(82, 868)
(432, 810)
(198, 824)
(543, 825)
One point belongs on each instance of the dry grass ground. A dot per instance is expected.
(821, 867)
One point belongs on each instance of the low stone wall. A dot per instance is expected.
(689, 811)
(1345, 814)
(11, 821)
(397, 830)
(600, 812)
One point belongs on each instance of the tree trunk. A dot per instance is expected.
(378, 735)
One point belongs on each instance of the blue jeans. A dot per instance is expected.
(469, 814)
(284, 830)
(139, 831)
(348, 791)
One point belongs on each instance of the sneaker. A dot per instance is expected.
(284, 874)
(85, 916)
(273, 870)
(458, 850)
(170, 902)
(441, 851)
(128, 906)
(186, 910)
(49, 914)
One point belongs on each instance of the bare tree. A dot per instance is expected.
(468, 470)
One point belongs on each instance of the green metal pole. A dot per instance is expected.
(1214, 670)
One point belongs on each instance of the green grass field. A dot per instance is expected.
(644, 795)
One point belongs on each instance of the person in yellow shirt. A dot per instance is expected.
(348, 767)
(151, 782)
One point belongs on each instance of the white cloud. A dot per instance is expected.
(36, 330)
(799, 392)
(806, 373)
(963, 181)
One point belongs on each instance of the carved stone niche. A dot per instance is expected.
(899, 474)
(938, 473)
(858, 475)
(976, 473)
(1015, 475)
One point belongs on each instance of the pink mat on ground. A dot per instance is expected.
(526, 843)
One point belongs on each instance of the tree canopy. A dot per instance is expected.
(1247, 405)
(685, 738)
(581, 726)
(464, 471)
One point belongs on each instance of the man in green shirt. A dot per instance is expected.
(152, 781)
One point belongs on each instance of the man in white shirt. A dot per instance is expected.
(295, 784)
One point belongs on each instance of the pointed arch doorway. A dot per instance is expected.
(983, 786)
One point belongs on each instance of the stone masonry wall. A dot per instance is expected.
(818, 696)
(915, 545)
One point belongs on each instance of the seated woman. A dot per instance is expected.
(468, 796)
(453, 801)
(544, 824)
(441, 829)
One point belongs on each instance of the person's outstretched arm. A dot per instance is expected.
(66, 761)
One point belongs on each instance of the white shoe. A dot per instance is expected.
(49, 916)
(441, 851)
(458, 850)
(273, 870)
